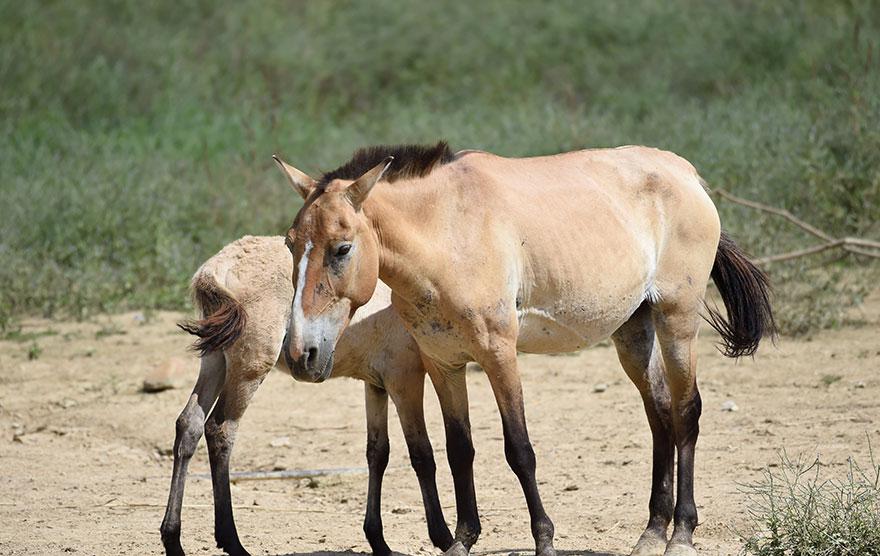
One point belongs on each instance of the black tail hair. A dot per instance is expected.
(223, 321)
(745, 291)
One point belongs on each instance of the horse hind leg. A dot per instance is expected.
(640, 357)
(378, 449)
(242, 382)
(189, 427)
(677, 324)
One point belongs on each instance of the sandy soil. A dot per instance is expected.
(84, 464)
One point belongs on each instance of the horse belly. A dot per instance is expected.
(565, 327)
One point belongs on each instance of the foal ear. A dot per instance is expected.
(359, 189)
(300, 181)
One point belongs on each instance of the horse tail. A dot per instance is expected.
(745, 291)
(223, 316)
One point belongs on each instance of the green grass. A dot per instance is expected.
(802, 508)
(136, 136)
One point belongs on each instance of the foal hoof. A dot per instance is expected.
(650, 544)
(678, 549)
(457, 549)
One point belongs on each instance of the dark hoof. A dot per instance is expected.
(174, 549)
(233, 548)
(443, 542)
(457, 549)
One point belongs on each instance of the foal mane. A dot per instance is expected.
(410, 161)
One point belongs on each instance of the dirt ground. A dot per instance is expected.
(85, 465)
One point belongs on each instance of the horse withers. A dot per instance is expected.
(245, 294)
(487, 256)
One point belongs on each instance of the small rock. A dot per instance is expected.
(729, 405)
(859, 384)
(400, 510)
(280, 442)
(599, 388)
(139, 318)
(571, 488)
(175, 372)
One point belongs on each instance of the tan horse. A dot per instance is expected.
(245, 293)
(487, 256)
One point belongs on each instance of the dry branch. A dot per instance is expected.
(850, 244)
(287, 474)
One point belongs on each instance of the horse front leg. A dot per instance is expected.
(408, 395)
(189, 428)
(451, 388)
(501, 369)
(377, 461)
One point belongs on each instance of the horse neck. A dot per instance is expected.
(403, 217)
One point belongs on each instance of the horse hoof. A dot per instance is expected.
(174, 550)
(457, 549)
(650, 544)
(678, 549)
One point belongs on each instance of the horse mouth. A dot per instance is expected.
(326, 370)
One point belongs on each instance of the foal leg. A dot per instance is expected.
(640, 357)
(408, 396)
(377, 461)
(501, 368)
(451, 387)
(190, 424)
(220, 429)
(677, 327)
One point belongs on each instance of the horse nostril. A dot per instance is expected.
(311, 354)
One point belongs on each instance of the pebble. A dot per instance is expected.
(729, 405)
(599, 388)
(280, 442)
(174, 372)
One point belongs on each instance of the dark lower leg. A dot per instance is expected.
(661, 502)
(422, 457)
(460, 454)
(687, 430)
(377, 460)
(503, 374)
(189, 428)
(521, 458)
(412, 420)
(189, 431)
(451, 388)
(220, 435)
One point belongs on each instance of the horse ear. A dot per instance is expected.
(359, 189)
(300, 181)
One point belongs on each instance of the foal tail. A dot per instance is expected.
(745, 291)
(223, 317)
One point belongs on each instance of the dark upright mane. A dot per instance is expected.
(410, 161)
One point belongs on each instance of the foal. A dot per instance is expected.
(487, 256)
(245, 294)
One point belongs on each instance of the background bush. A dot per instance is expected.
(801, 508)
(136, 135)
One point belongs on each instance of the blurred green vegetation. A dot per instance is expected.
(137, 136)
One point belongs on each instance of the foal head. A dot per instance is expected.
(335, 266)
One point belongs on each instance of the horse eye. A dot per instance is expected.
(343, 250)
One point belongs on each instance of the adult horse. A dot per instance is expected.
(487, 256)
